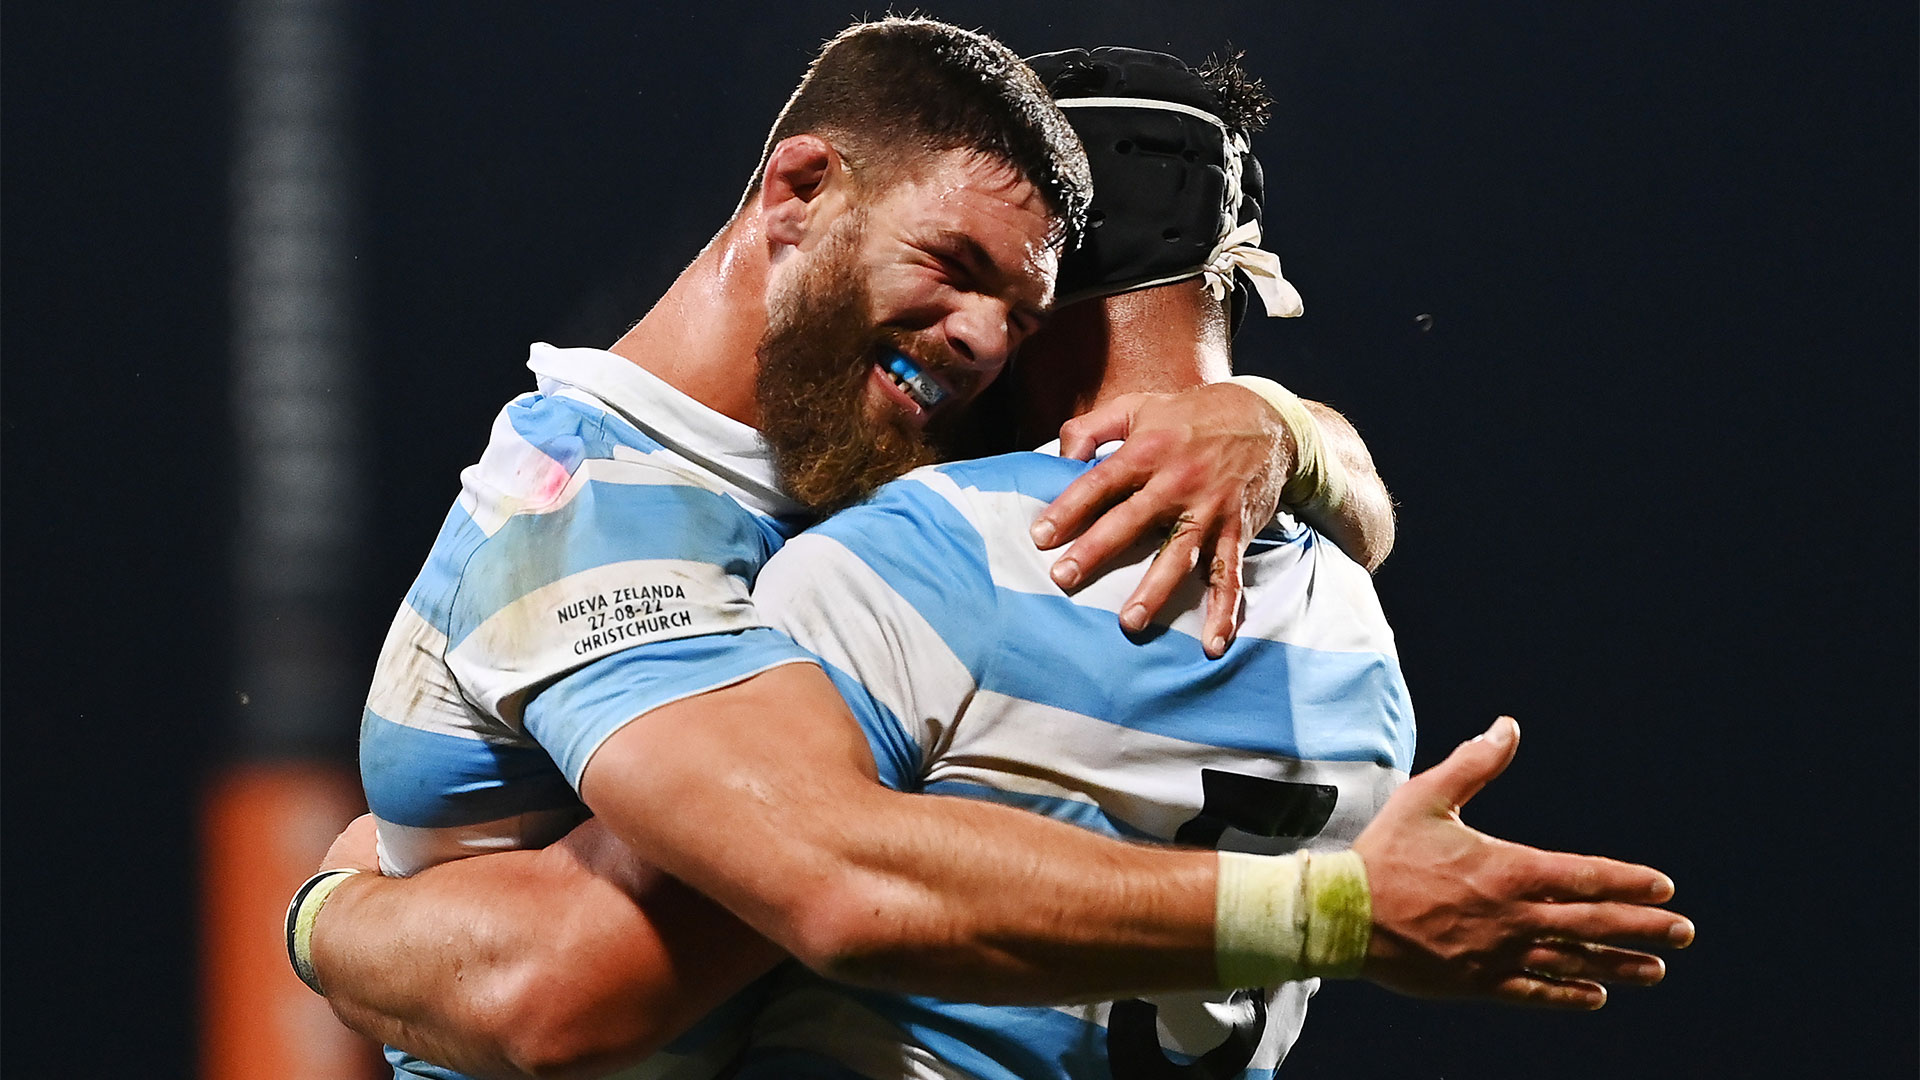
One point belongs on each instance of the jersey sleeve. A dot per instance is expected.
(628, 588)
(896, 598)
(573, 716)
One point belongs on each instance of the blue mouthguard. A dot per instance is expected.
(926, 389)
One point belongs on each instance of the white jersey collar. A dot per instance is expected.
(731, 450)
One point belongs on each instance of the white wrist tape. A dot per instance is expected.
(301, 914)
(1287, 917)
(1317, 481)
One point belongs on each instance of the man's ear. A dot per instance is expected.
(804, 175)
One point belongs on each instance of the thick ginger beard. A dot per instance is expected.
(816, 357)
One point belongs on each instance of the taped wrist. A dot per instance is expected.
(301, 914)
(1317, 481)
(1287, 917)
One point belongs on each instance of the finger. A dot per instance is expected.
(1090, 493)
(1474, 762)
(356, 848)
(1558, 876)
(1223, 593)
(1619, 924)
(1588, 962)
(1540, 991)
(1139, 516)
(1082, 435)
(1171, 566)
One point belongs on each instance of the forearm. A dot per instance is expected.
(417, 966)
(915, 893)
(1361, 524)
(528, 963)
(966, 900)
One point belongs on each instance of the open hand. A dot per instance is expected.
(1457, 913)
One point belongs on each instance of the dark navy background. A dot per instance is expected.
(1622, 295)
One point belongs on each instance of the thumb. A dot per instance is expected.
(1474, 762)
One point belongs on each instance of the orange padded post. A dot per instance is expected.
(265, 828)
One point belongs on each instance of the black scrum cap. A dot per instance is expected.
(1176, 194)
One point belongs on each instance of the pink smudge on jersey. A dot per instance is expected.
(544, 478)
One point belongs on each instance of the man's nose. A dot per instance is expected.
(980, 333)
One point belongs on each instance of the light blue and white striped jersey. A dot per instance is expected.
(597, 564)
(974, 675)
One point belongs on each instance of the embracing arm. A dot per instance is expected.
(573, 960)
(762, 795)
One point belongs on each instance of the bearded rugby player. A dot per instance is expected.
(782, 760)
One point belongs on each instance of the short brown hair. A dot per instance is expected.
(924, 86)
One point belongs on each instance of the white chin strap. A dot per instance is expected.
(1240, 250)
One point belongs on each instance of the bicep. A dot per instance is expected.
(740, 791)
(732, 759)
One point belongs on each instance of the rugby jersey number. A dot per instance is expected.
(1259, 807)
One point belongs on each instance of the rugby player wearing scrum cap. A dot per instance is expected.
(1288, 746)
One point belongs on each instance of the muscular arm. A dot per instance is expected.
(763, 796)
(574, 960)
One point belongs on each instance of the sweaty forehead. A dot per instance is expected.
(964, 200)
